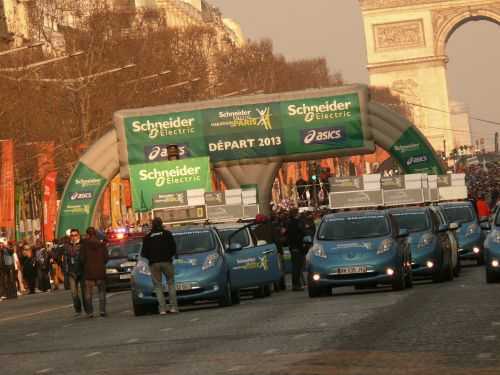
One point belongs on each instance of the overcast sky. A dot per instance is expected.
(334, 29)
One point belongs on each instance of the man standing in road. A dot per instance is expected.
(159, 249)
(94, 256)
(74, 270)
(295, 234)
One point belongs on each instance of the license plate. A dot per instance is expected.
(179, 287)
(183, 286)
(351, 270)
(128, 264)
(125, 276)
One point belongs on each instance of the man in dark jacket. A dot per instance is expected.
(74, 270)
(295, 233)
(94, 256)
(159, 249)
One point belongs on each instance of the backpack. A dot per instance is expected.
(8, 260)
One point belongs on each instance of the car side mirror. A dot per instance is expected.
(454, 226)
(233, 247)
(307, 240)
(403, 232)
(261, 242)
(443, 228)
(485, 225)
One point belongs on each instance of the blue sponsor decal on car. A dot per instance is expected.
(159, 152)
(320, 136)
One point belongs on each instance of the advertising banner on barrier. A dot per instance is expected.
(7, 185)
(249, 131)
(49, 205)
(150, 179)
(79, 199)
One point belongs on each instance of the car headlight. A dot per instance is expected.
(111, 270)
(471, 229)
(143, 268)
(318, 251)
(425, 240)
(385, 246)
(210, 261)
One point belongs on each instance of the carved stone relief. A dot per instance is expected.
(408, 90)
(399, 35)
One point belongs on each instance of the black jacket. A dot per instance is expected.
(159, 246)
(72, 261)
(295, 232)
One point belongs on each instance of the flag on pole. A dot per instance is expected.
(7, 188)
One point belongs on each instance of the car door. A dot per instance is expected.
(447, 239)
(253, 265)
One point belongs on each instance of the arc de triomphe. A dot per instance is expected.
(406, 46)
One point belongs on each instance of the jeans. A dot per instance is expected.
(167, 269)
(101, 289)
(77, 292)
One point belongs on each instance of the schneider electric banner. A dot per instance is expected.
(149, 180)
(249, 131)
(80, 197)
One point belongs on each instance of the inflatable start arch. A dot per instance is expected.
(246, 140)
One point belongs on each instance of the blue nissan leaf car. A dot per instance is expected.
(470, 236)
(492, 249)
(358, 248)
(429, 242)
(206, 270)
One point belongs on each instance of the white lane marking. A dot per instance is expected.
(490, 338)
(271, 351)
(194, 320)
(32, 334)
(67, 325)
(17, 317)
(126, 312)
(296, 337)
(93, 354)
(323, 324)
(132, 341)
(44, 371)
(165, 329)
(484, 356)
(495, 324)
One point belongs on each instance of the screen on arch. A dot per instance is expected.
(150, 179)
(249, 131)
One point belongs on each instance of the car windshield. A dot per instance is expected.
(195, 241)
(413, 221)
(124, 250)
(241, 237)
(458, 214)
(353, 227)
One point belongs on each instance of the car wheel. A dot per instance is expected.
(235, 297)
(399, 283)
(143, 309)
(491, 277)
(480, 260)
(449, 274)
(226, 299)
(314, 291)
(409, 279)
(458, 268)
(439, 273)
